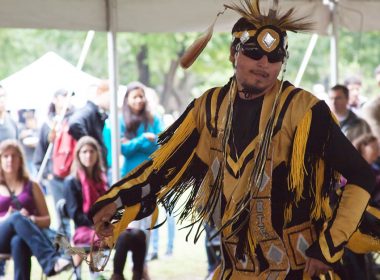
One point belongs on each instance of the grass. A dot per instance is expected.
(188, 261)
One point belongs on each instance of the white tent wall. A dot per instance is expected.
(41, 79)
(169, 15)
(359, 15)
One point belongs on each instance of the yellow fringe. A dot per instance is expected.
(321, 206)
(297, 165)
(252, 242)
(203, 195)
(175, 180)
(180, 135)
(327, 211)
(317, 210)
(129, 215)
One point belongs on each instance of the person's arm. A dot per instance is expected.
(77, 123)
(42, 146)
(345, 159)
(74, 202)
(166, 175)
(140, 143)
(158, 125)
(7, 215)
(42, 217)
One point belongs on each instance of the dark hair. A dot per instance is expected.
(77, 165)
(132, 120)
(363, 140)
(341, 88)
(241, 25)
(352, 80)
(22, 173)
(52, 111)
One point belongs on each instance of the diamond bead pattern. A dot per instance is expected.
(268, 40)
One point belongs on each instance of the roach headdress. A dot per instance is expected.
(263, 33)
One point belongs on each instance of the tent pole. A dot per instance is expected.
(306, 58)
(112, 72)
(86, 46)
(334, 76)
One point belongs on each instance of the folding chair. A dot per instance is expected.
(61, 210)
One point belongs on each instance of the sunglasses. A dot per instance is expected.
(254, 52)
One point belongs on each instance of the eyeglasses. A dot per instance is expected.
(254, 52)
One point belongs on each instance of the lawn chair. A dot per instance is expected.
(61, 210)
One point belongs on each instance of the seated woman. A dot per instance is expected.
(82, 188)
(23, 213)
(368, 147)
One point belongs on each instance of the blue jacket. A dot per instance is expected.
(137, 149)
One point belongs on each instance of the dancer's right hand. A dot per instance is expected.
(102, 219)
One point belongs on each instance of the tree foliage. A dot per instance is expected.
(153, 58)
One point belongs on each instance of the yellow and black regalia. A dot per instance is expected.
(265, 228)
(261, 170)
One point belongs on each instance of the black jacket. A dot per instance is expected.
(41, 148)
(89, 120)
(74, 202)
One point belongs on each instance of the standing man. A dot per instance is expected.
(356, 98)
(351, 125)
(90, 119)
(258, 157)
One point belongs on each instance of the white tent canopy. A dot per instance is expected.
(33, 86)
(169, 15)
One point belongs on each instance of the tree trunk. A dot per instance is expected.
(174, 96)
(168, 88)
(142, 65)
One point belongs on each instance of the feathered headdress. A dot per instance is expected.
(251, 12)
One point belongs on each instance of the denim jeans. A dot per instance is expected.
(171, 233)
(56, 188)
(2, 267)
(22, 238)
(212, 248)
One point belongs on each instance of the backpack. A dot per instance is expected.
(63, 151)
